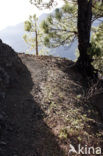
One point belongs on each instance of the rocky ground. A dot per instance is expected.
(45, 106)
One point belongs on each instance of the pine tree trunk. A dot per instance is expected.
(36, 43)
(84, 26)
(84, 29)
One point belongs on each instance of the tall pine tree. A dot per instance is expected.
(34, 35)
(84, 21)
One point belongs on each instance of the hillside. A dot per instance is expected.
(13, 36)
(45, 106)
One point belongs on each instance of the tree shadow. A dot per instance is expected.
(25, 133)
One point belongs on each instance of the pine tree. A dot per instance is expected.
(34, 35)
(96, 50)
(84, 22)
(97, 9)
(60, 27)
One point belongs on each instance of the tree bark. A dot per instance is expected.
(36, 43)
(84, 30)
(84, 26)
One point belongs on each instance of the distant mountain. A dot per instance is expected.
(13, 36)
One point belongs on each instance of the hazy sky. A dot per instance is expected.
(13, 12)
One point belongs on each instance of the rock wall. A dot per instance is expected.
(11, 69)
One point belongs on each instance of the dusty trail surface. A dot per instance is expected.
(30, 135)
(43, 106)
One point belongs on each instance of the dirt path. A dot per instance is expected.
(30, 135)
(43, 108)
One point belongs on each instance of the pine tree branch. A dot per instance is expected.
(54, 29)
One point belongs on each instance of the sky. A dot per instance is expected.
(13, 12)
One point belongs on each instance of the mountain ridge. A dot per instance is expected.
(13, 36)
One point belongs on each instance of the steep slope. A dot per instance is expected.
(43, 106)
